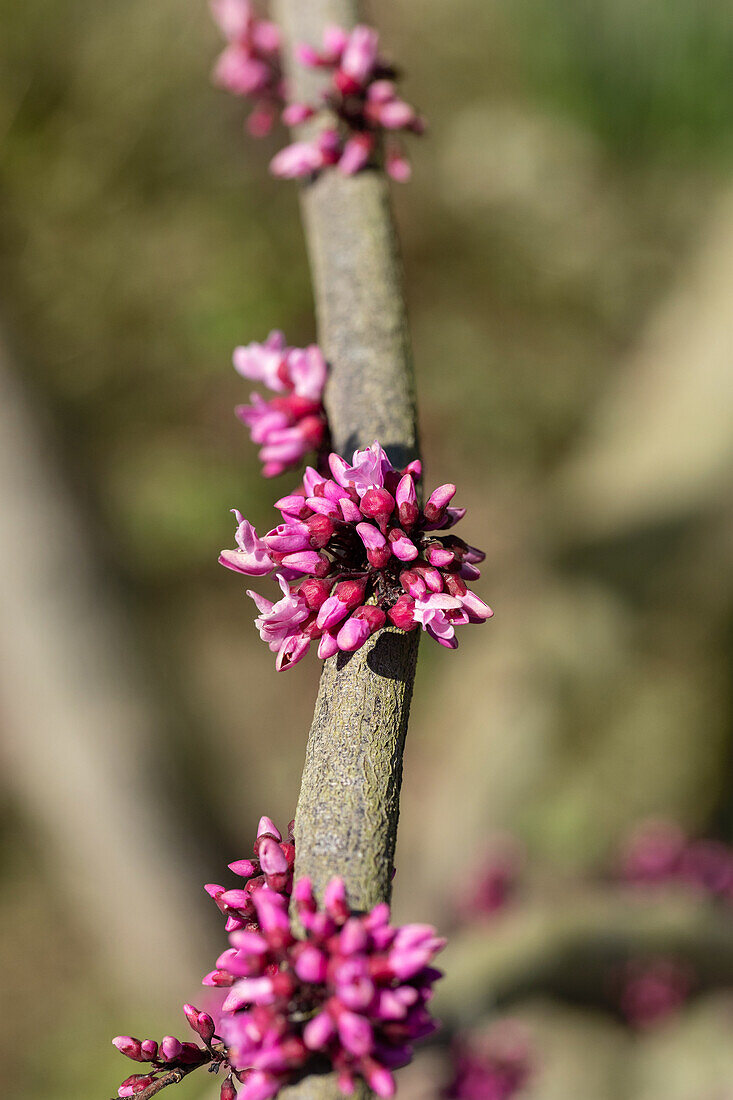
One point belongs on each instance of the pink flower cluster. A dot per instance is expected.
(494, 1066)
(291, 425)
(659, 852)
(171, 1054)
(271, 868)
(349, 996)
(355, 550)
(363, 97)
(250, 63)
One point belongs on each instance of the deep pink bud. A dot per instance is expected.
(315, 592)
(353, 634)
(402, 547)
(307, 561)
(438, 501)
(455, 585)
(149, 1050)
(205, 1026)
(267, 827)
(402, 614)
(245, 868)
(327, 646)
(413, 583)
(334, 899)
(439, 556)
(170, 1048)
(406, 498)
(378, 504)
(351, 593)
(128, 1046)
(272, 858)
(321, 529)
(228, 1091)
(331, 613)
(374, 616)
(192, 1015)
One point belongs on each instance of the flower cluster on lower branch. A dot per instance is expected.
(347, 994)
(355, 550)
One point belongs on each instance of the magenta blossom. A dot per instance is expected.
(349, 996)
(355, 550)
(293, 424)
(660, 853)
(363, 97)
(493, 1066)
(250, 64)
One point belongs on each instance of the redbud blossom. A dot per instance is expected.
(355, 549)
(292, 424)
(250, 64)
(363, 97)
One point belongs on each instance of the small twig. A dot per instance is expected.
(174, 1077)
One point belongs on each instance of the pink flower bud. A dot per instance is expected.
(267, 827)
(455, 585)
(402, 547)
(315, 592)
(402, 614)
(438, 501)
(205, 1026)
(272, 858)
(353, 634)
(406, 498)
(297, 113)
(439, 556)
(149, 1050)
(378, 504)
(320, 529)
(318, 1031)
(307, 561)
(243, 867)
(334, 899)
(227, 1091)
(413, 583)
(331, 613)
(170, 1048)
(129, 1046)
(355, 1033)
(327, 646)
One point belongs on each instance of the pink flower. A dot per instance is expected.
(364, 99)
(293, 424)
(251, 557)
(250, 63)
(342, 549)
(279, 624)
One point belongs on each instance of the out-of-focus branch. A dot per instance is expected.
(570, 948)
(346, 820)
(80, 725)
(173, 1078)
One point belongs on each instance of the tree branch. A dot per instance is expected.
(174, 1077)
(346, 820)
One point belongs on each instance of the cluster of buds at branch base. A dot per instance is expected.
(355, 551)
(363, 98)
(174, 1054)
(492, 1066)
(349, 996)
(271, 869)
(293, 424)
(250, 64)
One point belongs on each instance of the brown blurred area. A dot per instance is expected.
(568, 243)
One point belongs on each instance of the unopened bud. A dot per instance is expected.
(320, 528)
(402, 614)
(228, 1091)
(378, 504)
(314, 590)
(130, 1047)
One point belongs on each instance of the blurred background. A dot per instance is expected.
(568, 242)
